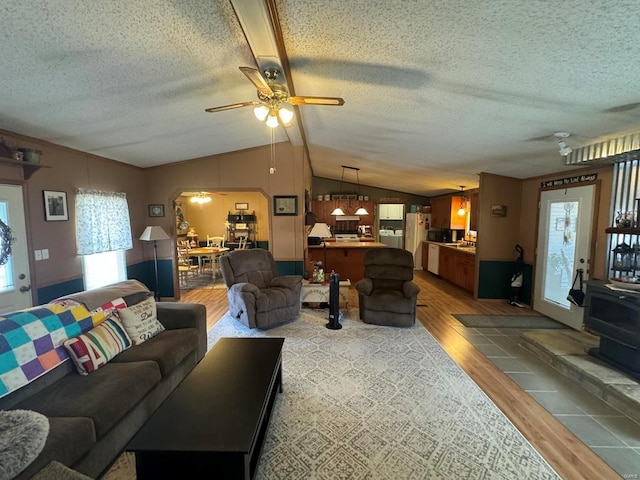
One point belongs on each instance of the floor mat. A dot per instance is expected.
(507, 321)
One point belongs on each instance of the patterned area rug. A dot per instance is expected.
(508, 321)
(370, 402)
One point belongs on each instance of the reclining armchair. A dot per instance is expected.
(258, 297)
(387, 295)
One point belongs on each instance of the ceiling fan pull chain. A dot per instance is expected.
(272, 167)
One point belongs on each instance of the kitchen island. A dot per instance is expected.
(345, 258)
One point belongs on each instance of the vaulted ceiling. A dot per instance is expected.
(435, 92)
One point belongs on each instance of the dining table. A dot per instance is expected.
(207, 252)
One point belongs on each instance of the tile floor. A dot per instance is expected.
(607, 431)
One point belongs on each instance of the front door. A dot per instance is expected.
(564, 245)
(15, 285)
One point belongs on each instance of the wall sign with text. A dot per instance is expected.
(569, 180)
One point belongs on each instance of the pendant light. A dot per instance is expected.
(338, 211)
(361, 211)
(462, 211)
(200, 198)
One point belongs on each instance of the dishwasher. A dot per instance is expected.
(434, 258)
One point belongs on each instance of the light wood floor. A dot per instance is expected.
(438, 299)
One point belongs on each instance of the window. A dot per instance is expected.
(103, 233)
(6, 270)
(104, 268)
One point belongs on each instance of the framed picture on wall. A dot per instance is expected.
(55, 206)
(156, 210)
(285, 205)
(498, 210)
(242, 206)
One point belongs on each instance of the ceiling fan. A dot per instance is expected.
(271, 96)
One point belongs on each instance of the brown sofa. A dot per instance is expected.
(93, 417)
(387, 294)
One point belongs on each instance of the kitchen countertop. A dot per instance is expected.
(360, 239)
(333, 245)
(455, 246)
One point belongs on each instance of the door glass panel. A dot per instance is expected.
(561, 251)
(6, 270)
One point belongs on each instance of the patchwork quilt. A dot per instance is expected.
(31, 340)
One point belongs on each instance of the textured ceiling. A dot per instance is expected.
(435, 92)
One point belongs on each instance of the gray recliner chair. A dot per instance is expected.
(258, 297)
(387, 293)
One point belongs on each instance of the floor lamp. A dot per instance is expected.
(319, 232)
(154, 233)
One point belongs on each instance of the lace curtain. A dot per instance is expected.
(102, 222)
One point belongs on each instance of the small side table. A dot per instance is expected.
(319, 292)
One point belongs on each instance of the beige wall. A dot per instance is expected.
(241, 171)
(71, 169)
(244, 175)
(498, 236)
(529, 221)
(209, 218)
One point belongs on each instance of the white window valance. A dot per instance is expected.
(102, 222)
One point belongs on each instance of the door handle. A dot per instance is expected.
(24, 288)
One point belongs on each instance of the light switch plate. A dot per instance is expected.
(45, 254)
(38, 254)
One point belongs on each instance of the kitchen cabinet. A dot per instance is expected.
(465, 271)
(369, 205)
(458, 267)
(446, 267)
(425, 256)
(391, 211)
(473, 212)
(323, 210)
(444, 213)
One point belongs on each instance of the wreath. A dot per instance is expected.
(5, 242)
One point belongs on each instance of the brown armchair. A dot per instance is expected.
(258, 297)
(387, 295)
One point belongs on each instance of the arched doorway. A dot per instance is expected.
(200, 215)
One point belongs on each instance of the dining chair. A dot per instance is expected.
(242, 243)
(185, 267)
(215, 241)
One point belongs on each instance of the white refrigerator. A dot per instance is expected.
(415, 232)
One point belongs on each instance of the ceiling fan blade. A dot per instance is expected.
(316, 101)
(232, 106)
(257, 79)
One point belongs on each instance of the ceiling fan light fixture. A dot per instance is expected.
(261, 112)
(272, 121)
(285, 115)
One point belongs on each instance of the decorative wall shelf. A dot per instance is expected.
(29, 168)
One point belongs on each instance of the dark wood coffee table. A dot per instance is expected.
(214, 423)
